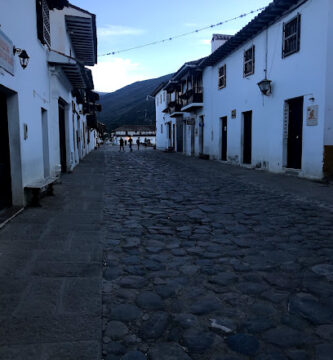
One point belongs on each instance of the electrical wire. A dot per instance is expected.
(184, 34)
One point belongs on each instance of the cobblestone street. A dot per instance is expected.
(194, 260)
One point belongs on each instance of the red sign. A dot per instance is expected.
(6, 53)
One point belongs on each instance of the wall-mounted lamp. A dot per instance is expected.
(23, 56)
(265, 87)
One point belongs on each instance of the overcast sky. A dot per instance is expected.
(123, 24)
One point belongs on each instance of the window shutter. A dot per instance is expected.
(46, 23)
(39, 20)
(43, 22)
(298, 31)
(283, 39)
(225, 75)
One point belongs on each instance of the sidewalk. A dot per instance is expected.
(50, 272)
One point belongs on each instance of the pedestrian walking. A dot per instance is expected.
(121, 142)
(138, 143)
(130, 141)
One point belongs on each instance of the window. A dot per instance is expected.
(161, 98)
(161, 128)
(157, 100)
(164, 96)
(222, 77)
(249, 61)
(291, 36)
(43, 22)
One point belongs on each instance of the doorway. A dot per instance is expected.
(5, 174)
(295, 133)
(62, 136)
(247, 137)
(169, 134)
(179, 136)
(45, 139)
(201, 135)
(192, 139)
(224, 137)
(173, 137)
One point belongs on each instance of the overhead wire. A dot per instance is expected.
(184, 34)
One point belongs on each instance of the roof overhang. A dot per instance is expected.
(191, 107)
(78, 75)
(272, 13)
(172, 85)
(57, 4)
(176, 114)
(82, 31)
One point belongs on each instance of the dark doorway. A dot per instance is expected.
(201, 135)
(62, 136)
(5, 176)
(173, 137)
(192, 140)
(295, 131)
(224, 144)
(179, 135)
(247, 137)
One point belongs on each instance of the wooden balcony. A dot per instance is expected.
(192, 99)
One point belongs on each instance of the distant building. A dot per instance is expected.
(145, 133)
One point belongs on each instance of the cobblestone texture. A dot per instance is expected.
(148, 255)
(206, 261)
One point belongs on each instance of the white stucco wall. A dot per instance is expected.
(161, 121)
(301, 74)
(32, 91)
(32, 88)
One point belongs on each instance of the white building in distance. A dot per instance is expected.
(146, 134)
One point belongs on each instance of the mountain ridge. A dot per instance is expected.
(129, 105)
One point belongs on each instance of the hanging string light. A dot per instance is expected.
(184, 34)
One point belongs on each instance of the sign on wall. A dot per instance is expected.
(312, 115)
(6, 53)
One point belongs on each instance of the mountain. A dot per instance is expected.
(129, 105)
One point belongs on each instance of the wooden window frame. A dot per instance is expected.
(222, 78)
(249, 61)
(296, 35)
(43, 22)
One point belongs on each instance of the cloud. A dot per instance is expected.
(118, 30)
(116, 73)
(191, 25)
(205, 41)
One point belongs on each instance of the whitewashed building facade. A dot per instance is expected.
(287, 124)
(47, 108)
(146, 134)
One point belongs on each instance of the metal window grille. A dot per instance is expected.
(249, 60)
(291, 36)
(222, 76)
(43, 22)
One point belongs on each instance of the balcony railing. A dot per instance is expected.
(193, 96)
(175, 106)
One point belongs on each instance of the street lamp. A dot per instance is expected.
(23, 56)
(265, 86)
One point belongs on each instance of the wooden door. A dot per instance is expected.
(62, 137)
(192, 139)
(5, 176)
(173, 136)
(295, 132)
(224, 138)
(201, 135)
(247, 137)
